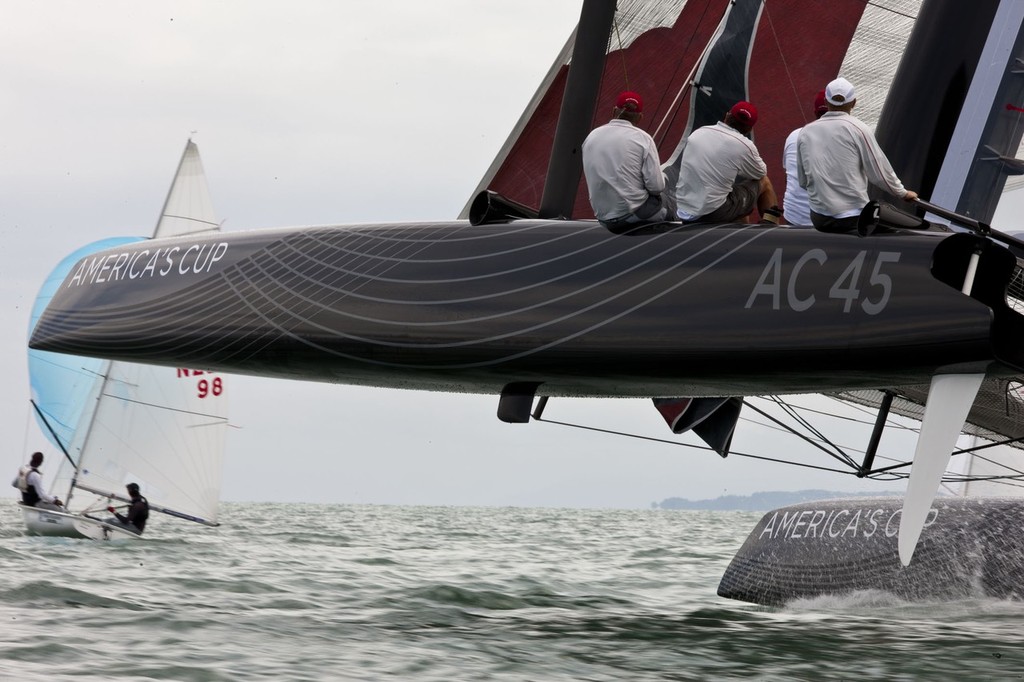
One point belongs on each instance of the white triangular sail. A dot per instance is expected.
(188, 208)
(163, 428)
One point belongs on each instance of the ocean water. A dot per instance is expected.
(336, 592)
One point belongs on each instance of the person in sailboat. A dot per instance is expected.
(620, 163)
(30, 482)
(837, 157)
(722, 177)
(794, 201)
(138, 511)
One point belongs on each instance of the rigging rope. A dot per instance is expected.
(673, 110)
(791, 411)
(888, 473)
(842, 457)
(890, 9)
(690, 445)
(622, 50)
(785, 64)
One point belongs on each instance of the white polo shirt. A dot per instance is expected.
(795, 205)
(715, 157)
(837, 157)
(621, 165)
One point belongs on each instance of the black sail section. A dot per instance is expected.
(721, 78)
(930, 88)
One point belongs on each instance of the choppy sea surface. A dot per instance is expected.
(322, 592)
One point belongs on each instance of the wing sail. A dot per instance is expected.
(657, 48)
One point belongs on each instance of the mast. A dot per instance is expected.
(929, 90)
(577, 111)
(96, 398)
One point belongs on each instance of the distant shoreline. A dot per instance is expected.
(762, 501)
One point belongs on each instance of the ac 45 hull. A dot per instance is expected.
(671, 310)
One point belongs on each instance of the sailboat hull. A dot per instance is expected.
(51, 523)
(67, 525)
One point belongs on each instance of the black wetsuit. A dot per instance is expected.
(138, 514)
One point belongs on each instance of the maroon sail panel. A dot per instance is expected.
(656, 48)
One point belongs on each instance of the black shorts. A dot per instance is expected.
(826, 223)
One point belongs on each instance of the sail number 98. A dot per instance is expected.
(210, 387)
(846, 288)
(207, 385)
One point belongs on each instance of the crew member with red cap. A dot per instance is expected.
(721, 174)
(794, 201)
(837, 156)
(620, 163)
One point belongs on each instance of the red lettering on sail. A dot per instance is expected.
(204, 387)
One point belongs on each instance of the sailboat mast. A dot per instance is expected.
(577, 111)
(88, 432)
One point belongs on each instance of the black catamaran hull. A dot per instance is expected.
(971, 548)
(704, 310)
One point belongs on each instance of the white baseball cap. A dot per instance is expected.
(840, 92)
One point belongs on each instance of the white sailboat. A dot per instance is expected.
(117, 422)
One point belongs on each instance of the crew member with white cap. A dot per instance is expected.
(837, 156)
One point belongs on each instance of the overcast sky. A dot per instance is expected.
(317, 113)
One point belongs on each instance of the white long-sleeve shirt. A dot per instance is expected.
(33, 479)
(795, 205)
(620, 162)
(715, 157)
(837, 157)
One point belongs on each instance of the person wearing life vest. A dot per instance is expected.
(30, 482)
(138, 511)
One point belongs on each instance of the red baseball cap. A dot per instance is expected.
(820, 104)
(631, 100)
(744, 112)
